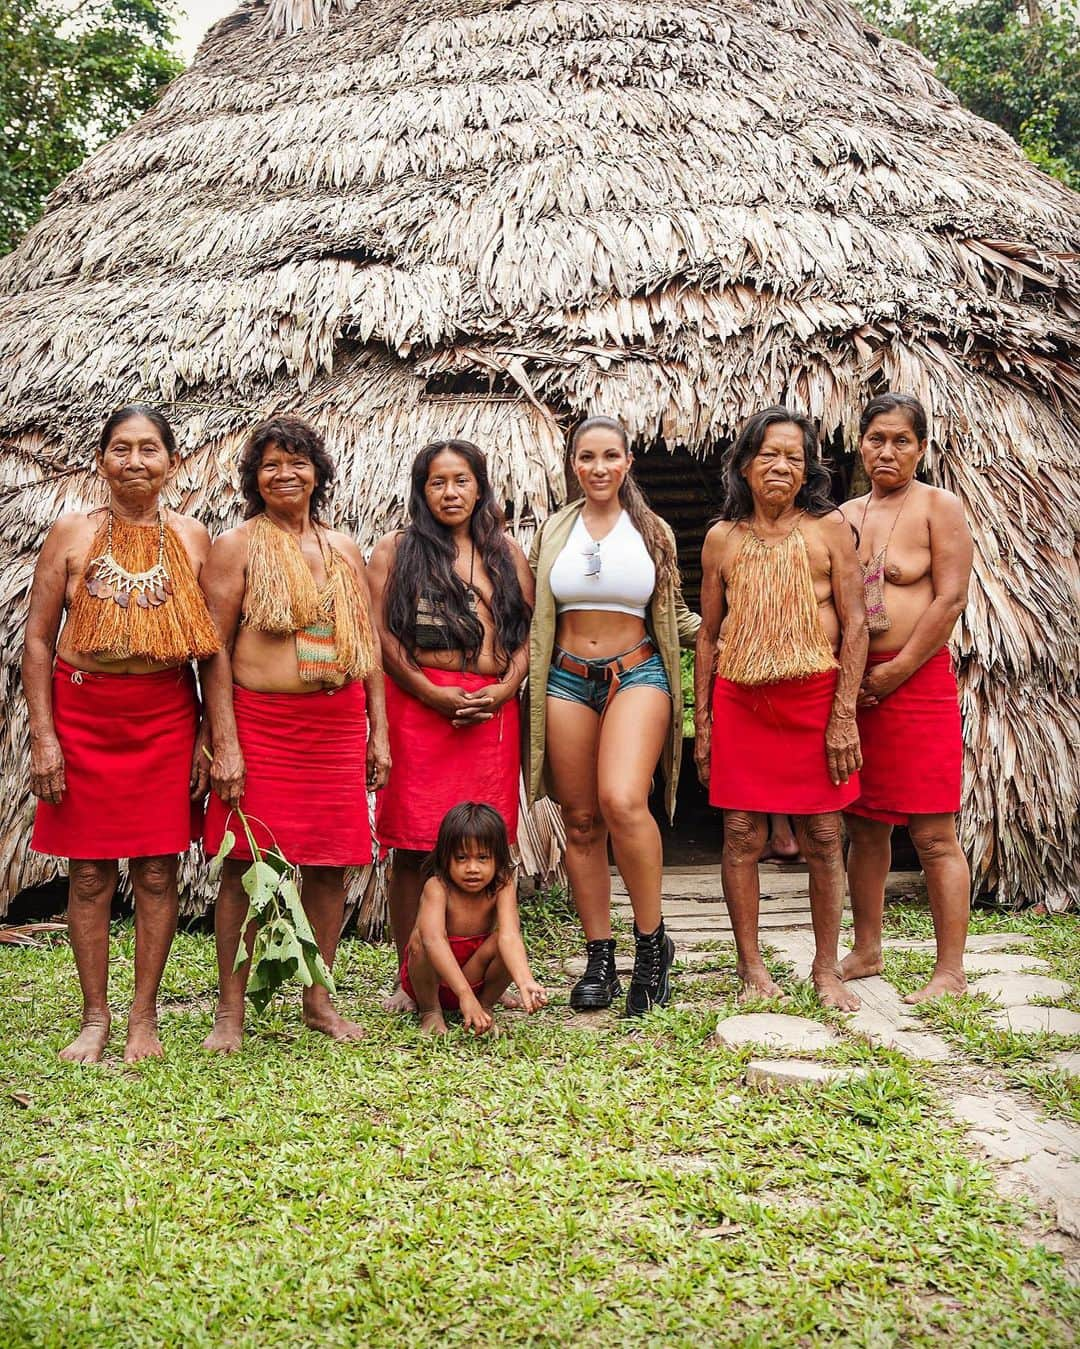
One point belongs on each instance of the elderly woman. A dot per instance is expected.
(915, 550)
(114, 713)
(290, 698)
(604, 649)
(453, 598)
(779, 658)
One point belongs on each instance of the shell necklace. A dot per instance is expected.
(108, 579)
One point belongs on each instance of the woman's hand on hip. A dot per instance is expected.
(48, 781)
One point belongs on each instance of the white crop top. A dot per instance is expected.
(624, 581)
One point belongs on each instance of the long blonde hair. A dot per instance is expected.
(658, 542)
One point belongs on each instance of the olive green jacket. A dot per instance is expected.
(669, 622)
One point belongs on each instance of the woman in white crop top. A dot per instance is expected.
(604, 650)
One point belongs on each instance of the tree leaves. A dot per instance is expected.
(70, 78)
(285, 947)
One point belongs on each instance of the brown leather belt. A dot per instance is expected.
(607, 671)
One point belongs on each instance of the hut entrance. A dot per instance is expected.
(687, 491)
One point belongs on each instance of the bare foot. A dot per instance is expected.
(511, 1002)
(331, 1023)
(832, 993)
(89, 1045)
(757, 982)
(942, 982)
(398, 1001)
(861, 964)
(228, 1033)
(433, 1023)
(142, 1040)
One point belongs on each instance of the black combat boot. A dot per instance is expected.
(650, 984)
(599, 985)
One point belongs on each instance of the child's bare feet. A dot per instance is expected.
(89, 1045)
(142, 1040)
(433, 1023)
(398, 1001)
(942, 982)
(861, 964)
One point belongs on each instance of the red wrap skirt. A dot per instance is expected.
(127, 741)
(913, 754)
(437, 765)
(464, 948)
(306, 783)
(768, 747)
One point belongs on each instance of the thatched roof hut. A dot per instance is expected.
(489, 217)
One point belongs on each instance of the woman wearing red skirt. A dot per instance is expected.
(453, 594)
(114, 714)
(292, 698)
(915, 549)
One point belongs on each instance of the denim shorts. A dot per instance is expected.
(575, 688)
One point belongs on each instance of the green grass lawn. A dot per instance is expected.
(552, 1186)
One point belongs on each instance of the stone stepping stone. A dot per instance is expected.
(987, 962)
(774, 1030)
(1017, 990)
(1068, 1062)
(772, 1074)
(1038, 1020)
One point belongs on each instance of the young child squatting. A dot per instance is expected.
(466, 947)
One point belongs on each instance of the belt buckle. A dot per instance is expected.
(600, 674)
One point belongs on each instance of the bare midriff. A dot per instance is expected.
(598, 634)
(265, 662)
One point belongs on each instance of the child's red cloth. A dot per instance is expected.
(463, 948)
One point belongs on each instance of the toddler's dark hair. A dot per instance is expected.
(482, 826)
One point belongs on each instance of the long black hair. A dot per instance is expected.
(425, 562)
(813, 496)
(481, 825)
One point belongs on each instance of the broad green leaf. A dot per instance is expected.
(260, 882)
(228, 842)
(294, 905)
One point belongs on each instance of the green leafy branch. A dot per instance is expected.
(285, 947)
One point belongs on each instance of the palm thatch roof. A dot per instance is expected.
(489, 217)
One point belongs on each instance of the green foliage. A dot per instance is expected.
(71, 77)
(1014, 62)
(554, 1185)
(686, 678)
(285, 947)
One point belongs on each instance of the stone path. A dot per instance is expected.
(1032, 1153)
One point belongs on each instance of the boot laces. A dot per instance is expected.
(596, 963)
(647, 962)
